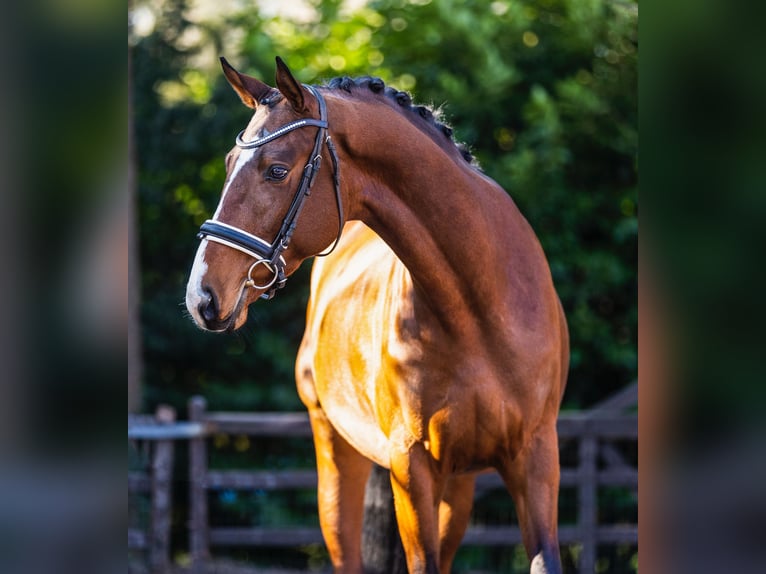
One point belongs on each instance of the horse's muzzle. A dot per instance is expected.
(208, 310)
(208, 307)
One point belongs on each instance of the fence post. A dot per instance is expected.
(161, 475)
(198, 526)
(588, 503)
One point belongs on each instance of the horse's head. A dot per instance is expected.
(255, 238)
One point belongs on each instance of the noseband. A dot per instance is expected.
(270, 254)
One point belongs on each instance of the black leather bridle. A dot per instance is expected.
(270, 254)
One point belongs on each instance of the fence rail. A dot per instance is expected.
(157, 482)
(592, 429)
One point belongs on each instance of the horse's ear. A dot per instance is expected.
(291, 88)
(250, 90)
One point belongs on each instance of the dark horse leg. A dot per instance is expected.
(342, 475)
(382, 551)
(533, 481)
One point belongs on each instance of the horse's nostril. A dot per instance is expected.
(207, 307)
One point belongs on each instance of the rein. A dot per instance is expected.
(270, 254)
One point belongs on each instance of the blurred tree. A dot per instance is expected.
(543, 92)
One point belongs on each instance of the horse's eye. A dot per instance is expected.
(277, 173)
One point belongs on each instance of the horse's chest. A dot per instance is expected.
(386, 373)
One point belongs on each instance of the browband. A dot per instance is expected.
(279, 133)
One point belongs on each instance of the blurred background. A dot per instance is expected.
(66, 194)
(543, 92)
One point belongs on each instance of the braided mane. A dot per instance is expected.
(404, 101)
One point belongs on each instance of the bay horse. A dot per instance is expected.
(435, 343)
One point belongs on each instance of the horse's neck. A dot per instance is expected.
(456, 231)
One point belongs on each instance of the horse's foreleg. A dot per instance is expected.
(416, 497)
(533, 481)
(342, 475)
(454, 514)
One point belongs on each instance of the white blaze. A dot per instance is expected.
(194, 293)
(245, 156)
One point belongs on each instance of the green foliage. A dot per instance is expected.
(543, 92)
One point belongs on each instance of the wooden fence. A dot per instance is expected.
(155, 479)
(599, 464)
